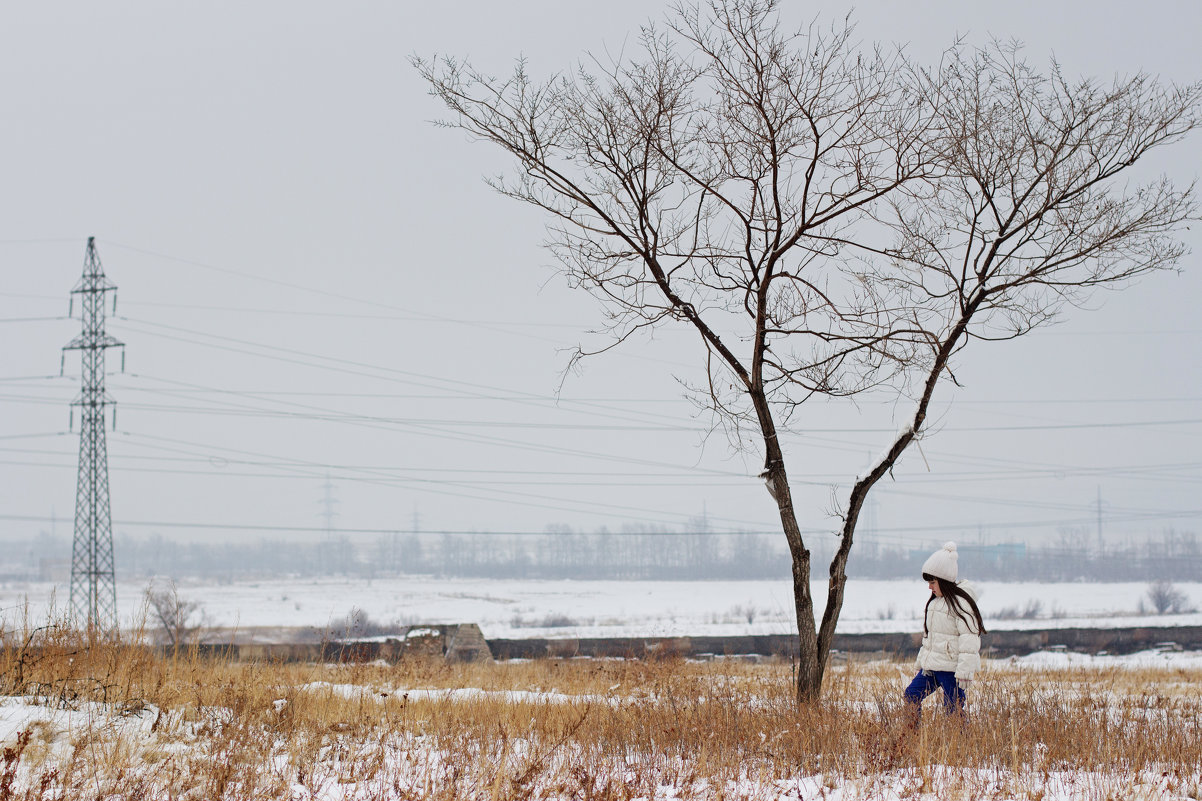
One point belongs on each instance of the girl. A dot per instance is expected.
(951, 635)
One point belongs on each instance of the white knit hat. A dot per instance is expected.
(942, 563)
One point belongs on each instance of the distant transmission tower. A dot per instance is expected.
(93, 588)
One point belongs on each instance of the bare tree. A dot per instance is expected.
(768, 189)
(1025, 215)
(688, 185)
(179, 620)
(1166, 599)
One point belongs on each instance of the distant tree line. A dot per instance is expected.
(631, 553)
(1073, 556)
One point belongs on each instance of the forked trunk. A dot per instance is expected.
(811, 664)
(812, 659)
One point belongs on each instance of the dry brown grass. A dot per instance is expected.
(120, 721)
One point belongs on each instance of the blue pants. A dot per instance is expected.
(926, 683)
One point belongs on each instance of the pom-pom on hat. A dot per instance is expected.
(943, 563)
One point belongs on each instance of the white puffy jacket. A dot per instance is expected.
(950, 643)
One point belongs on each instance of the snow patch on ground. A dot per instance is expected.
(512, 609)
(412, 761)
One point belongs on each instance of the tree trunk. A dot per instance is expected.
(860, 490)
(811, 665)
(812, 660)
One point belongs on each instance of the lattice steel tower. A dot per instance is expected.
(93, 587)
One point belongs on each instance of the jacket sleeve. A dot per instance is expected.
(968, 645)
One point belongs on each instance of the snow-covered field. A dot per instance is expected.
(135, 749)
(517, 609)
(115, 750)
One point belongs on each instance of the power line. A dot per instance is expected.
(557, 400)
(1016, 502)
(403, 529)
(577, 478)
(444, 434)
(1023, 471)
(407, 317)
(482, 325)
(199, 390)
(31, 319)
(534, 399)
(1072, 401)
(34, 436)
(510, 497)
(334, 416)
(515, 396)
(219, 473)
(461, 422)
(894, 530)
(529, 396)
(822, 478)
(42, 241)
(345, 366)
(200, 458)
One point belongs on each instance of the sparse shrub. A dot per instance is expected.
(552, 621)
(357, 623)
(1032, 610)
(1165, 599)
(179, 621)
(748, 612)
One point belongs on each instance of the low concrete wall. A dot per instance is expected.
(1095, 641)
(466, 643)
(461, 642)
(995, 643)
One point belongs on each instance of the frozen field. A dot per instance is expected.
(582, 730)
(516, 609)
(599, 728)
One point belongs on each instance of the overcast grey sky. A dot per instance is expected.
(314, 280)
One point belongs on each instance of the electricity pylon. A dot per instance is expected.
(93, 586)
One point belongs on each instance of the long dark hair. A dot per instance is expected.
(954, 596)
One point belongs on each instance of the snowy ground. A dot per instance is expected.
(517, 609)
(135, 748)
(156, 738)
